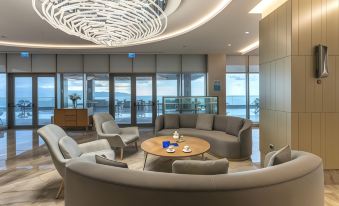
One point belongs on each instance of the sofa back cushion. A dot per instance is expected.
(234, 125)
(188, 120)
(197, 167)
(171, 121)
(69, 147)
(205, 122)
(220, 122)
(110, 127)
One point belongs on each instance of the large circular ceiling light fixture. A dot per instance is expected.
(113, 23)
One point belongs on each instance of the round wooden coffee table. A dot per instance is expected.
(154, 146)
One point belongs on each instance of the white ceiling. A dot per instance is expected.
(19, 23)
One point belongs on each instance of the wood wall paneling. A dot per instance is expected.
(295, 27)
(332, 140)
(282, 31)
(329, 85)
(316, 133)
(298, 84)
(332, 27)
(295, 131)
(305, 27)
(305, 141)
(313, 90)
(273, 92)
(337, 83)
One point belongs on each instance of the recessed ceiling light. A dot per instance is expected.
(229, 44)
(247, 32)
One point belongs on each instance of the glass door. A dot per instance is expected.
(123, 99)
(134, 99)
(144, 99)
(32, 100)
(45, 99)
(23, 101)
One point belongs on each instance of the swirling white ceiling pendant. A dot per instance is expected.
(113, 23)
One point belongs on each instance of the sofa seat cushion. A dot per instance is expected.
(198, 167)
(166, 132)
(171, 121)
(222, 144)
(69, 147)
(110, 127)
(205, 122)
(109, 154)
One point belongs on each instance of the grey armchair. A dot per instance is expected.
(128, 135)
(51, 134)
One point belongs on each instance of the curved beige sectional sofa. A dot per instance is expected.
(230, 137)
(298, 182)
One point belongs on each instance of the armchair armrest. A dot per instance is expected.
(245, 138)
(159, 123)
(97, 145)
(130, 130)
(114, 140)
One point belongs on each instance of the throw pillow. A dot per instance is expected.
(281, 156)
(69, 147)
(171, 121)
(205, 122)
(220, 122)
(104, 161)
(234, 125)
(188, 120)
(196, 167)
(110, 127)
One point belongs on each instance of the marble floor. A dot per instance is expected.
(28, 177)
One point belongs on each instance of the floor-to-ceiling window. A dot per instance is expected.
(73, 84)
(45, 99)
(97, 90)
(193, 84)
(123, 99)
(3, 100)
(253, 80)
(167, 85)
(242, 87)
(23, 101)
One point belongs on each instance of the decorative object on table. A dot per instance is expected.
(187, 149)
(74, 98)
(105, 22)
(170, 149)
(176, 135)
(181, 139)
(166, 144)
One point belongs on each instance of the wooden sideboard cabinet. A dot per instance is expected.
(72, 117)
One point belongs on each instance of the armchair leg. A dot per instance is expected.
(61, 189)
(136, 145)
(121, 153)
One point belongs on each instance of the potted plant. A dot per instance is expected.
(74, 98)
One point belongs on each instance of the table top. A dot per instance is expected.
(154, 146)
